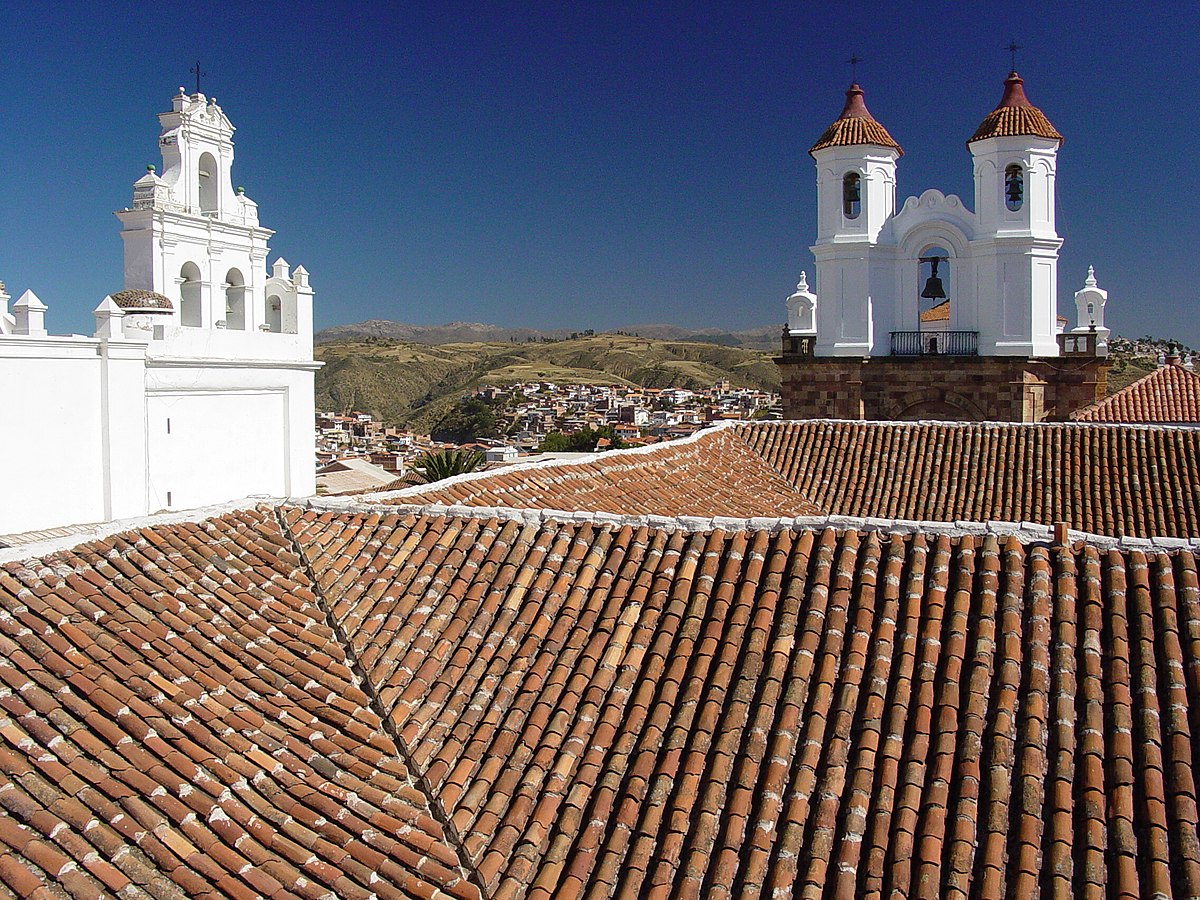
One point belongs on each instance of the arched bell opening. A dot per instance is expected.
(189, 296)
(273, 313)
(851, 195)
(207, 174)
(1014, 187)
(235, 301)
(934, 279)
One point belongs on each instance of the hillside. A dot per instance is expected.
(764, 338)
(413, 384)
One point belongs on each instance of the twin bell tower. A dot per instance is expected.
(932, 310)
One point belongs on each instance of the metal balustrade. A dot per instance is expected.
(935, 343)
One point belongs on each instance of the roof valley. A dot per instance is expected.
(466, 864)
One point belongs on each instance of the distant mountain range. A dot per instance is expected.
(764, 338)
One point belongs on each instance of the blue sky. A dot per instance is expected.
(587, 165)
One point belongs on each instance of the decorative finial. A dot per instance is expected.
(1091, 279)
(802, 287)
(150, 168)
(1012, 49)
(241, 190)
(854, 61)
(198, 72)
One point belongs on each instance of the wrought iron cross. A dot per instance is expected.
(197, 71)
(854, 61)
(1012, 49)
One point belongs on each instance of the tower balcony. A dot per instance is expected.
(935, 343)
(798, 346)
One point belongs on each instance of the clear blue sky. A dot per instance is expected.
(587, 164)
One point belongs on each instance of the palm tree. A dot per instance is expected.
(431, 467)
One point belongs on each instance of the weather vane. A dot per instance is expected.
(854, 61)
(1012, 49)
(197, 71)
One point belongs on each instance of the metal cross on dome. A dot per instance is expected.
(1012, 49)
(197, 71)
(854, 61)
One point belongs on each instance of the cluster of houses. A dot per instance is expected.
(637, 415)
(357, 452)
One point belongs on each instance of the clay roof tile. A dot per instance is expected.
(1015, 115)
(855, 126)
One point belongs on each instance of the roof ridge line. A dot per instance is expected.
(1025, 532)
(100, 530)
(987, 423)
(466, 865)
(592, 457)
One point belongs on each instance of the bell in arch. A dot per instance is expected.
(933, 285)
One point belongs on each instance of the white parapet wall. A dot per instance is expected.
(96, 429)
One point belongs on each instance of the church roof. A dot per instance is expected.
(373, 702)
(1168, 394)
(1102, 479)
(855, 125)
(1015, 115)
(137, 299)
(710, 476)
(939, 313)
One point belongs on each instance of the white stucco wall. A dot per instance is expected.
(84, 439)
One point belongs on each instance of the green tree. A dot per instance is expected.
(470, 419)
(430, 467)
(582, 441)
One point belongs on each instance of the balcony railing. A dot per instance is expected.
(935, 343)
(801, 345)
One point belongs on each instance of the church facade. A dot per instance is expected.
(196, 386)
(931, 310)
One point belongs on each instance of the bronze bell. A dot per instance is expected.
(933, 286)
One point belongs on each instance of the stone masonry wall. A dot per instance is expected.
(1004, 389)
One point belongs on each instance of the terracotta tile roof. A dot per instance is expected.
(179, 719)
(281, 702)
(1015, 115)
(623, 711)
(1103, 479)
(1168, 394)
(939, 313)
(855, 125)
(711, 475)
(136, 299)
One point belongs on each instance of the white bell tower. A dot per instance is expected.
(193, 237)
(856, 197)
(1015, 153)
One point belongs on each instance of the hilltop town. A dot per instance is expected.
(529, 419)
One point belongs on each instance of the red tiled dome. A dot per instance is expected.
(141, 300)
(855, 125)
(1015, 115)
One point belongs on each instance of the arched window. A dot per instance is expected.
(273, 314)
(851, 195)
(189, 296)
(933, 302)
(235, 301)
(208, 184)
(1014, 187)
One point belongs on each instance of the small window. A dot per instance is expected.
(851, 195)
(1014, 187)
